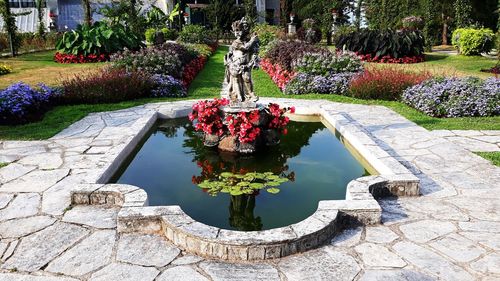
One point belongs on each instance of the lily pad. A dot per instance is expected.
(273, 190)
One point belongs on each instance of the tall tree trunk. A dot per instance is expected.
(87, 11)
(444, 34)
(9, 26)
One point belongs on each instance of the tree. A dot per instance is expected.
(285, 10)
(222, 13)
(10, 26)
(250, 11)
(41, 24)
(463, 10)
(357, 13)
(87, 12)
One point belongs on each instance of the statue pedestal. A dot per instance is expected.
(292, 29)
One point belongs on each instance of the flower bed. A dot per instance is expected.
(192, 69)
(280, 76)
(389, 59)
(456, 97)
(69, 58)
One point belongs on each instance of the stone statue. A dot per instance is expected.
(239, 61)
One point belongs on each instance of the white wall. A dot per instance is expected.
(28, 23)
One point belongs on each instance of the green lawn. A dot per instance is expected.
(3, 165)
(40, 67)
(207, 85)
(494, 157)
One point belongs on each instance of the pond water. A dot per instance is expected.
(310, 163)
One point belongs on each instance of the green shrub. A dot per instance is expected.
(195, 34)
(379, 43)
(169, 34)
(471, 42)
(267, 33)
(5, 69)
(199, 49)
(150, 35)
(99, 38)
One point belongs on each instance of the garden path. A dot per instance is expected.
(476, 141)
(451, 232)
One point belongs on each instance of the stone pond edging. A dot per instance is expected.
(393, 179)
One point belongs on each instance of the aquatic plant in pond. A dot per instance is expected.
(248, 183)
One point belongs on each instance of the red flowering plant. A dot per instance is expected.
(389, 59)
(244, 125)
(192, 69)
(70, 58)
(278, 118)
(279, 75)
(209, 116)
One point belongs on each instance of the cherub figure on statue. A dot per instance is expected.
(239, 61)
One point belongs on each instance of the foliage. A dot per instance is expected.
(167, 86)
(5, 69)
(222, 13)
(155, 18)
(40, 15)
(455, 97)
(243, 126)
(379, 43)
(326, 63)
(107, 86)
(389, 59)
(384, 83)
(311, 35)
(463, 10)
(29, 41)
(10, 26)
(470, 41)
(305, 83)
(20, 103)
(199, 49)
(195, 34)
(284, 53)
(319, 10)
(150, 35)
(169, 33)
(413, 23)
(100, 38)
(238, 184)
(267, 33)
(127, 14)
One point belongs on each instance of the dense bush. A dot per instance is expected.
(304, 83)
(20, 103)
(325, 63)
(5, 69)
(167, 86)
(384, 84)
(195, 34)
(151, 34)
(284, 53)
(99, 38)
(267, 33)
(199, 49)
(455, 97)
(107, 86)
(377, 43)
(470, 41)
(169, 33)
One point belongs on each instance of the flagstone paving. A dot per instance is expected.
(451, 232)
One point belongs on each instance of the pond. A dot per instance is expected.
(174, 167)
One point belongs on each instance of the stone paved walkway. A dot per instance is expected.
(451, 232)
(476, 141)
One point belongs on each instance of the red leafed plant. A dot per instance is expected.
(389, 59)
(384, 83)
(209, 116)
(279, 75)
(70, 58)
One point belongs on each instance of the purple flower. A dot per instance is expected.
(167, 86)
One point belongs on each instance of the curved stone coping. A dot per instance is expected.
(213, 242)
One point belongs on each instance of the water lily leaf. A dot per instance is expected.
(243, 183)
(249, 178)
(273, 177)
(273, 183)
(205, 184)
(256, 185)
(227, 175)
(273, 190)
(236, 192)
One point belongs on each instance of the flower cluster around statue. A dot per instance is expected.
(243, 127)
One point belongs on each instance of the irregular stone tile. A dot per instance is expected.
(25, 277)
(488, 264)
(392, 211)
(482, 226)
(458, 248)
(40, 248)
(323, 264)
(3, 247)
(488, 210)
(57, 198)
(10, 250)
(186, 273)
(125, 272)
(36, 181)
(90, 254)
(380, 234)
(395, 275)
(431, 262)
(5, 199)
(378, 256)
(426, 230)
(220, 271)
(44, 161)
(490, 240)
(95, 216)
(146, 250)
(435, 208)
(187, 259)
(24, 205)
(14, 171)
(347, 238)
(22, 227)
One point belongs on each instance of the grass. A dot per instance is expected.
(208, 85)
(3, 165)
(494, 157)
(40, 67)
